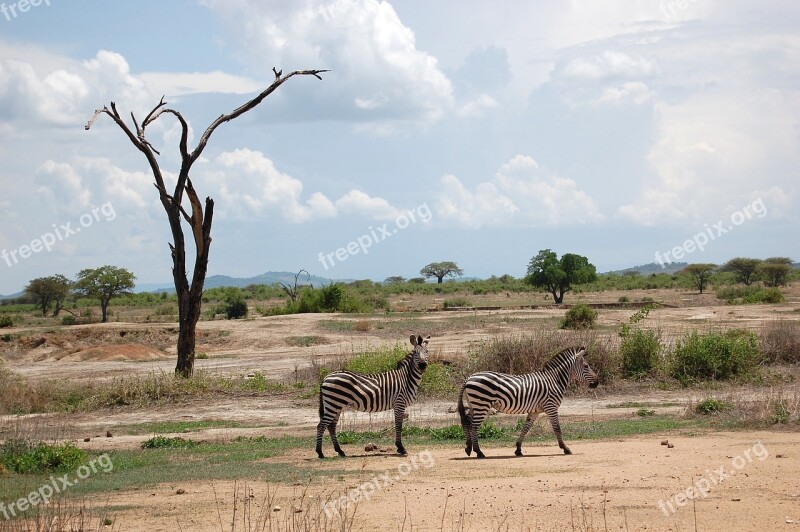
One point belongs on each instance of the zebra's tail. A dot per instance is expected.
(462, 411)
(321, 407)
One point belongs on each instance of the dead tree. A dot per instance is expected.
(292, 291)
(199, 219)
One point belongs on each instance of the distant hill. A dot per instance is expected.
(653, 267)
(12, 296)
(267, 278)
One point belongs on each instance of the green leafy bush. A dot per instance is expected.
(717, 356)
(457, 302)
(747, 295)
(26, 456)
(640, 350)
(68, 319)
(163, 442)
(6, 321)
(579, 317)
(711, 406)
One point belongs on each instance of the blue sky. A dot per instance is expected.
(475, 132)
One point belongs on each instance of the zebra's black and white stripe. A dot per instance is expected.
(394, 389)
(531, 394)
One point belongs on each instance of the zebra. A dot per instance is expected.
(532, 393)
(395, 389)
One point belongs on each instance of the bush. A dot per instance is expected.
(711, 406)
(457, 302)
(579, 317)
(163, 442)
(6, 321)
(26, 456)
(715, 356)
(640, 350)
(69, 319)
(747, 295)
(780, 341)
(377, 361)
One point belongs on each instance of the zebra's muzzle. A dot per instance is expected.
(594, 384)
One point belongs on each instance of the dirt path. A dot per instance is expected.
(439, 488)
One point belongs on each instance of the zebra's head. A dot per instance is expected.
(420, 354)
(581, 369)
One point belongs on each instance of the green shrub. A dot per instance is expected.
(645, 412)
(163, 442)
(26, 456)
(579, 317)
(640, 350)
(711, 406)
(715, 356)
(6, 321)
(624, 299)
(377, 361)
(68, 319)
(747, 295)
(457, 302)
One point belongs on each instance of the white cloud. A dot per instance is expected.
(376, 65)
(248, 179)
(610, 64)
(715, 152)
(517, 195)
(634, 91)
(478, 106)
(180, 83)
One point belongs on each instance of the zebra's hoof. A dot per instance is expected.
(567, 451)
(468, 451)
(341, 453)
(321, 455)
(518, 452)
(402, 452)
(480, 455)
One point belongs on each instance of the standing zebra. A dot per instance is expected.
(531, 394)
(372, 393)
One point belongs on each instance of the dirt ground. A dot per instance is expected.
(604, 485)
(743, 481)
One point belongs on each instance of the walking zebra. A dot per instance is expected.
(372, 393)
(531, 394)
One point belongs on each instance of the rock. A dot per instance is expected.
(664, 442)
(108, 434)
(276, 509)
(370, 447)
(670, 446)
(180, 491)
(87, 439)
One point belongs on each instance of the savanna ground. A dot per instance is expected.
(235, 448)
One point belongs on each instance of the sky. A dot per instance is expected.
(630, 132)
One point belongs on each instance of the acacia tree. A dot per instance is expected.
(46, 290)
(103, 283)
(189, 295)
(700, 274)
(557, 276)
(440, 270)
(743, 268)
(775, 271)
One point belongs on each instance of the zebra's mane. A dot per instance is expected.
(405, 361)
(562, 359)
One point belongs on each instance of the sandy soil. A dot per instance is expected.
(631, 484)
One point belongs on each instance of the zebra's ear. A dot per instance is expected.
(419, 339)
(427, 339)
(413, 340)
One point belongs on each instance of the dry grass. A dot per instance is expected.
(363, 326)
(780, 341)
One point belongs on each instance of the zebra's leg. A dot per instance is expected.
(332, 430)
(466, 425)
(320, 431)
(525, 428)
(399, 412)
(477, 419)
(557, 429)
